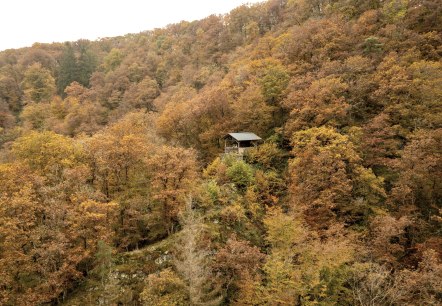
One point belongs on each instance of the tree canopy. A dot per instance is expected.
(114, 189)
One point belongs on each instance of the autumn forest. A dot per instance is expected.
(114, 189)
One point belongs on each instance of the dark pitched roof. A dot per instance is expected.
(244, 136)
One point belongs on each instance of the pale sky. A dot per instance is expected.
(24, 22)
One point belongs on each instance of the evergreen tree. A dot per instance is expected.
(75, 68)
(67, 69)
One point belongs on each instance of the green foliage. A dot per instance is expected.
(266, 155)
(333, 287)
(77, 63)
(103, 261)
(38, 83)
(86, 63)
(67, 69)
(241, 174)
(113, 59)
(372, 45)
(395, 10)
(273, 83)
(209, 194)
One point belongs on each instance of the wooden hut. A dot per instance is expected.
(240, 142)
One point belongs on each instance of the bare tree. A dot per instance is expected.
(192, 260)
(373, 284)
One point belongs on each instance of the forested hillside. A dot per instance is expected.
(113, 191)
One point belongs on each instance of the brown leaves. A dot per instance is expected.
(45, 233)
(387, 238)
(239, 264)
(323, 102)
(173, 173)
(419, 172)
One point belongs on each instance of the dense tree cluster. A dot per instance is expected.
(111, 146)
